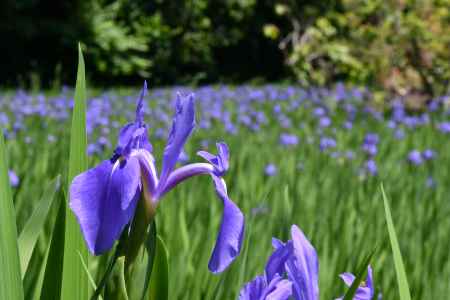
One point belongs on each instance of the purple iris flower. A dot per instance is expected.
(291, 271)
(415, 157)
(270, 170)
(13, 178)
(324, 122)
(444, 127)
(288, 139)
(428, 154)
(371, 167)
(365, 291)
(104, 198)
(430, 182)
(327, 142)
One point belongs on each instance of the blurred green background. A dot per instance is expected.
(399, 46)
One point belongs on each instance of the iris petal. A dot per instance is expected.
(182, 126)
(303, 267)
(347, 278)
(254, 289)
(229, 240)
(275, 264)
(281, 291)
(104, 199)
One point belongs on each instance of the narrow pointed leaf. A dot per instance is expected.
(75, 284)
(91, 279)
(98, 289)
(35, 224)
(10, 279)
(51, 286)
(159, 282)
(402, 280)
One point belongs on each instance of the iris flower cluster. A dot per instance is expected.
(292, 272)
(104, 198)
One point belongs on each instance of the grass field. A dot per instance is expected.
(311, 157)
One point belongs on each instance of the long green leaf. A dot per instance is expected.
(51, 286)
(360, 275)
(159, 282)
(35, 224)
(75, 283)
(10, 279)
(91, 279)
(402, 280)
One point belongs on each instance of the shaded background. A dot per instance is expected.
(398, 46)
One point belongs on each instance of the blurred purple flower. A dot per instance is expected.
(13, 178)
(415, 157)
(270, 170)
(288, 139)
(324, 122)
(348, 125)
(326, 143)
(428, 154)
(430, 182)
(444, 127)
(399, 134)
(371, 167)
(319, 112)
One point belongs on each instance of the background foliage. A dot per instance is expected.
(400, 46)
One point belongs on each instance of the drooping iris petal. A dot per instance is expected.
(125, 180)
(182, 126)
(229, 240)
(103, 200)
(303, 267)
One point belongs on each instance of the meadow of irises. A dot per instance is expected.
(300, 165)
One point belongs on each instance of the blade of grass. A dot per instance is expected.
(75, 284)
(91, 280)
(51, 286)
(10, 279)
(159, 281)
(402, 280)
(32, 229)
(360, 275)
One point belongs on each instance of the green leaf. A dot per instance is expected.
(75, 284)
(10, 279)
(51, 286)
(403, 286)
(35, 224)
(159, 282)
(106, 275)
(360, 275)
(91, 279)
